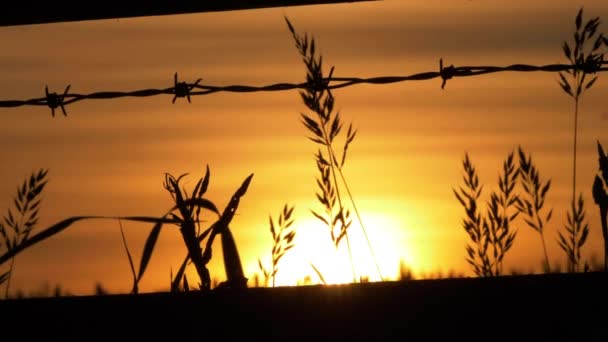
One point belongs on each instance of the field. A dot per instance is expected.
(543, 306)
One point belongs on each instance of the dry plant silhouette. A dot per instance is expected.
(135, 288)
(577, 232)
(532, 200)
(16, 230)
(491, 233)
(18, 224)
(588, 58)
(189, 209)
(282, 240)
(325, 125)
(494, 229)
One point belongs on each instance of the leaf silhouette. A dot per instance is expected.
(319, 274)
(148, 249)
(124, 241)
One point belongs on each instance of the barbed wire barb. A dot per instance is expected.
(183, 89)
(445, 73)
(53, 100)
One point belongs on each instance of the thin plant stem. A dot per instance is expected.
(369, 245)
(574, 149)
(8, 279)
(332, 163)
(12, 267)
(530, 203)
(547, 265)
(585, 62)
(350, 256)
(282, 241)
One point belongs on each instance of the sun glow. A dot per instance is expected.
(315, 250)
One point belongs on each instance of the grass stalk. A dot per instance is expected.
(20, 221)
(574, 148)
(494, 228)
(586, 57)
(350, 257)
(325, 126)
(282, 241)
(531, 202)
(135, 289)
(8, 277)
(333, 163)
(187, 226)
(577, 231)
(367, 240)
(189, 207)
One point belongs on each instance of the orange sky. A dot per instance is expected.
(109, 157)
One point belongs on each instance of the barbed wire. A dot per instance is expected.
(186, 90)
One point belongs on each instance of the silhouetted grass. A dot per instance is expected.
(491, 234)
(319, 274)
(16, 229)
(189, 208)
(22, 219)
(325, 125)
(282, 241)
(438, 274)
(531, 202)
(43, 291)
(135, 289)
(587, 59)
(577, 231)
(405, 272)
(586, 55)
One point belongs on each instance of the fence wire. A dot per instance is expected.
(54, 100)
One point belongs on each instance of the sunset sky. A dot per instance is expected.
(109, 157)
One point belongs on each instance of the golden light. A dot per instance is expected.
(314, 249)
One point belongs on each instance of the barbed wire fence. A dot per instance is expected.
(54, 100)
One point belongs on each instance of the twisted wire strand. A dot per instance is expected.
(184, 89)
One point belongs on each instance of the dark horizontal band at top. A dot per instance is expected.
(44, 12)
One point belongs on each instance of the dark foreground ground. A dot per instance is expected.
(567, 306)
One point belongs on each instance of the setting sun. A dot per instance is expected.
(314, 249)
